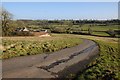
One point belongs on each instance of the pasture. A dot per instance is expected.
(96, 29)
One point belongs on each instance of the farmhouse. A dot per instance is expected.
(25, 29)
(21, 29)
(40, 33)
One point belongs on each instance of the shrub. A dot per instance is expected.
(22, 33)
(111, 32)
(58, 30)
(90, 31)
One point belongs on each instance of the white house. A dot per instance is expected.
(25, 29)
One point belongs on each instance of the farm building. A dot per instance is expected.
(40, 33)
(25, 29)
(21, 29)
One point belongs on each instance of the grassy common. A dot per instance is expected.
(22, 46)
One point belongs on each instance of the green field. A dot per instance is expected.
(101, 28)
(100, 34)
(84, 27)
(96, 29)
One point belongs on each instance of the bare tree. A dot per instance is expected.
(5, 18)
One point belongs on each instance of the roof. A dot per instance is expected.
(39, 33)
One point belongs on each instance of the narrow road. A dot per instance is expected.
(56, 65)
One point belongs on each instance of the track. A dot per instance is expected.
(56, 65)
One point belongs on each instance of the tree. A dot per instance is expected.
(0, 22)
(20, 24)
(90, 30)
(70, 24)
(111, 32)
(80, 25)
(59, 30)
(6, 20)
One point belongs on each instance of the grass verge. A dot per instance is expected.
(106, 66)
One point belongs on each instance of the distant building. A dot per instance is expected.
(25, 29)
(46, 31)
(21, 29)
(40, 33)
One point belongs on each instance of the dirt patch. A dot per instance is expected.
(41, 34)
(2, 47)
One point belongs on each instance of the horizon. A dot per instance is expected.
(70, 19)
(62, 10)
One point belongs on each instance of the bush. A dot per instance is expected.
(111, 32)
(90, 31)
(22, 33)
(58, 30)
